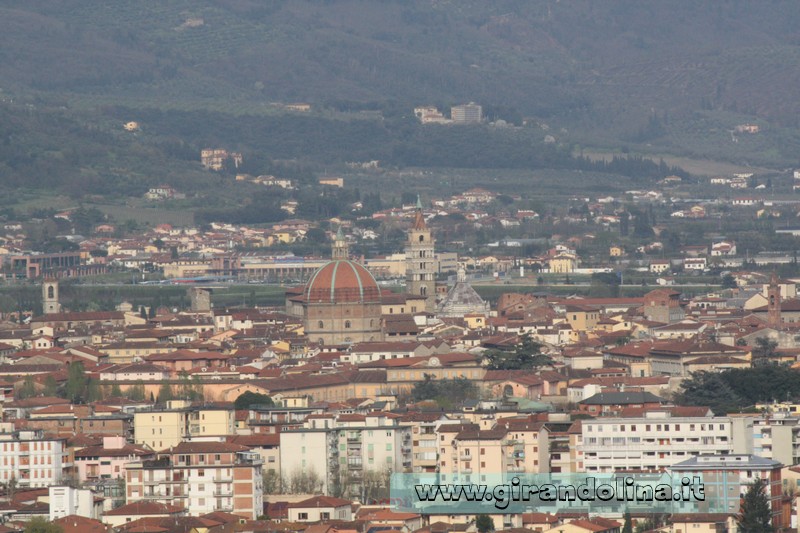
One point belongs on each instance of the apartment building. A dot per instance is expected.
(424, 446)
(655, 440)
(202, 477)
(108, 460)
(163, 428)
(726, 479)
(775, 437)
(473, 455)
(468, 453)
(32, 459)
(342, 449)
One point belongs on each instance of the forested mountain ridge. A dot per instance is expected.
(593, 59)
(656, 76)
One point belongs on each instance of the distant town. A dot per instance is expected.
(295, 416)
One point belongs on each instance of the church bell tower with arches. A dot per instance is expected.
(421, 261)
(50, 304)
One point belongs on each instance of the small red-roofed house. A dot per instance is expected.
(387, 517)
(81, 524)
(591, 525)
(141, 509)
(702, 522)
(539, 522)
(320, 508)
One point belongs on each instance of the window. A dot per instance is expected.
(302, 516)
(320, 324)
(422, 238)
(347, 324)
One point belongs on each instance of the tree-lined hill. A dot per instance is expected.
(661, 76)
(595, 59)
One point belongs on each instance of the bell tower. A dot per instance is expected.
(774, 302)
(339, 248)
(421, 261)
(50, 303)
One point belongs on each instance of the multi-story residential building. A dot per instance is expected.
(163, 428)
(32, 459)
(202, 477)
(559, 448)
(341, 450)
(473, 455)
(726, 478)
(108, 460)
(424, 442)
(513, 446)
(775, 437)
(527, 446)
(660, 438)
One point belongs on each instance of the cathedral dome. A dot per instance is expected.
(342, 281)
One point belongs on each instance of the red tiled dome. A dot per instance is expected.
(342, 282)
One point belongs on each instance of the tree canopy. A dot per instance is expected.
(738, 388)
(755, 516)
(445, 392)
(249, 398)
(525, 356)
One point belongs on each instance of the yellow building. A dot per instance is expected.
(582, 318)
(161, 429)
(284, 237)
(400, 304)
(475, 320)
(616, 251)
(390, 266)
(563, 263)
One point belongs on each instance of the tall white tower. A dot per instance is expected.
(421, 261)
(50, 303)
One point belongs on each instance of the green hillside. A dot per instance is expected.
(653, 76)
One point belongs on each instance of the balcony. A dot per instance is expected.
(655, 447)
(516, 469)
(465, 457)
(225, 493)
(355, 465)
(466, 471)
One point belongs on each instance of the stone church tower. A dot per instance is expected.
(50, 304)
(420, 261)
(774, 303)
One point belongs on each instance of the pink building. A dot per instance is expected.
(108, 460)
